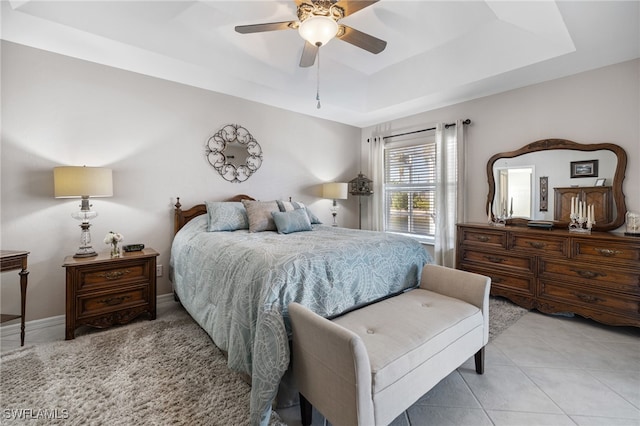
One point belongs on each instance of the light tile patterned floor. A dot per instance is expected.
(543, 370)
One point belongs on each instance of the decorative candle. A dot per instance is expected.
(573, 206)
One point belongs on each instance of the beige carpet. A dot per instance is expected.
(158, 372)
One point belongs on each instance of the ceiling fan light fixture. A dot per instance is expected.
(318, 30)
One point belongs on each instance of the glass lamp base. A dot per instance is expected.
(85, 252)
(85, 249)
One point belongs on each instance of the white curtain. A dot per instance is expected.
(376, 152)
(450, 191)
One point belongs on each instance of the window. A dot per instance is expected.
(410, 188)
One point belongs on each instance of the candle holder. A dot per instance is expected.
(580, 224)
(499, 221)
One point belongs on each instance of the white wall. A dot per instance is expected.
(62, 111)
(602, 105)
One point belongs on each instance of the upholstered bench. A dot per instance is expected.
(370, 365)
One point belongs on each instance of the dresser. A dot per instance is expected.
(103, 291)
(596, 276)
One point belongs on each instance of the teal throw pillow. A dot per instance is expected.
(292, 221)
(226, 216)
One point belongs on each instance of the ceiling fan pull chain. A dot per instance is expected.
(318, 83)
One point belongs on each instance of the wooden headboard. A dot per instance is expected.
(182, 217)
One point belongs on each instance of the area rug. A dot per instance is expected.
(158, 372)
(502, 314)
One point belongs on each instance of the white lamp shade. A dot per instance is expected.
(335, 190)
(72, 182)
(318, 30)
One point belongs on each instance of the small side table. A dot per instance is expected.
(103, 291)
(10, 260)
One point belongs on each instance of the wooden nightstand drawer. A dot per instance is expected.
(97, 304)
(589, 275)
(105, 275)
(492, 259)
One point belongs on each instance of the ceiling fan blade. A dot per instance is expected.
(309, 53)
(362, 40)
(273, 26)
(352, 6)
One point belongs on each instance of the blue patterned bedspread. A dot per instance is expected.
(237, 286)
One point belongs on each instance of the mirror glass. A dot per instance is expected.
(517, 180)
(234, 153)
(522, 183)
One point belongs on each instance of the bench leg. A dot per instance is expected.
(479, 357)
(306, 411)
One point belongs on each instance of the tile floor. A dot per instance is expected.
(543, 370)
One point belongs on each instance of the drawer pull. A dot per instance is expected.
(112, 301)
(607, 252)
(482, 238)
(494, 259)
(114, 275)
(588, 298)
(537, 244)
(496, 280)
(588, 274)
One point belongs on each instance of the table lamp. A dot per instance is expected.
(335, 191)
(83, 182)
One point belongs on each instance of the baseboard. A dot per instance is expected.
(58, 320)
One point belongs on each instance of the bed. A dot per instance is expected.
(237, 284)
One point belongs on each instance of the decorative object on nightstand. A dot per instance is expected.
(104, 291)
(632, 224)
(83, 182)
(360, 186)
(113, 238)
(335, 191)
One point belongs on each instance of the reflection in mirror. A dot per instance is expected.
(514, 191)
(514, 180)
(234, 153)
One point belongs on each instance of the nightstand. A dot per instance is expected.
(103, 291)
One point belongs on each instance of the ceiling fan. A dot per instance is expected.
(318, 23)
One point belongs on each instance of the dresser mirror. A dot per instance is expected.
(522, 182)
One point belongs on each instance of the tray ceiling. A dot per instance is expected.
(438, 52)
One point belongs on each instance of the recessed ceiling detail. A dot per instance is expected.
(437, 53)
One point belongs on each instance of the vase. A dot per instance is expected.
(115, 252)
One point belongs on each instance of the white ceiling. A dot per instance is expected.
(438, 52)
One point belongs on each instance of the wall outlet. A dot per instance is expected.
(158, 270)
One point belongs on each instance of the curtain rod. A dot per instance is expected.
(446, 126)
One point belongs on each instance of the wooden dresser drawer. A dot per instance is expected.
(486, 238)
(543, 245)
(590, 298)
(600, 275)
(607, 252)
(492, 259)
(107, 275)
(98, 304)
(499, 279)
